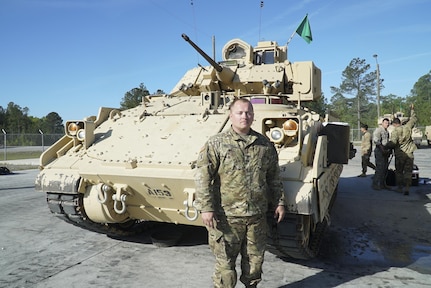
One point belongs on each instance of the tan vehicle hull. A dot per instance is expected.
(121, 167)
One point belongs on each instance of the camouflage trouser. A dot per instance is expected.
(366, 163)
(404, 168)
(379, 179)
(234, 235)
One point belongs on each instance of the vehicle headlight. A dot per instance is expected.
(81, 131)
(80, 135)
(290, 127)
(276, 135)
(72, 128)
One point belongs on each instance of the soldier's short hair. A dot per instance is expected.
(365, 126)
(396, 121)
(245, 100)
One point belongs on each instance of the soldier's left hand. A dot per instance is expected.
(279, 213)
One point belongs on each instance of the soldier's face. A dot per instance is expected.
(385, 124)
(241, 115)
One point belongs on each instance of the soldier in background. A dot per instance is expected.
(366, 145)
(402, 143)
(381, 153)
(237, 180)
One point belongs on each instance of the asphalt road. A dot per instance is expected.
(376, 239)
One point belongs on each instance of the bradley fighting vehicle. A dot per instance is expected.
(121, 167)
(428, 134)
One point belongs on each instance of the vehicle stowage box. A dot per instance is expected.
(338, 145)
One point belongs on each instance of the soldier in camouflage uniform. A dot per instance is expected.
(237, 180)
(366, 146)
(381, 153)
(402, 143)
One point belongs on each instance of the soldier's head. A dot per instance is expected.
(364, 127)
(241, 115)
(396, 122)
(385, 123)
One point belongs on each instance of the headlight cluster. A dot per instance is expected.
(82, 132)
(75, 129)
(282, 132)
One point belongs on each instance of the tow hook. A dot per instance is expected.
(120, 199)
(190, 205)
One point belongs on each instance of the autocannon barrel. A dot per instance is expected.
(208, 58)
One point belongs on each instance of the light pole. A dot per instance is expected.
(4, 142)
(41, 134)
(378, 88)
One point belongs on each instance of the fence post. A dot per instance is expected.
(5, 145)
(43, 146)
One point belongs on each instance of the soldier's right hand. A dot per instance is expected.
(208, 219)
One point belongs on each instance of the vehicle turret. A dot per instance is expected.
(263, 69)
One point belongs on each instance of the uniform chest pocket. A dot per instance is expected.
(232, 160)
(259, 158)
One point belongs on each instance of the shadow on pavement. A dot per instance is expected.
(373, 231)
(370, 232)
(168, 234)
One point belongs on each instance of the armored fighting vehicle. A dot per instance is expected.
(428, 134)
(121, 167)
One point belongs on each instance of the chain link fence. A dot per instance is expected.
(9, 140)
(10, 143)
(45, 140)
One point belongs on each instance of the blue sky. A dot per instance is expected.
(73, 56)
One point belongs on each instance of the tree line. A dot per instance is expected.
(15, 120)
(353, 101)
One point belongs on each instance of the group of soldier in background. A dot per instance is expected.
(399, 142)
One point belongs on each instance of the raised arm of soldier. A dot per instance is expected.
(413, 119)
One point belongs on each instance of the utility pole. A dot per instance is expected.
(359, 116)
(378, 88)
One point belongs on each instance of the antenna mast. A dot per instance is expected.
(260, 18)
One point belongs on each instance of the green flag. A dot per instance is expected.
(304, 30)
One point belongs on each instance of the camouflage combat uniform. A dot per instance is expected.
(380, 139)
(402, 143)
(237, 179)
(366, 146)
